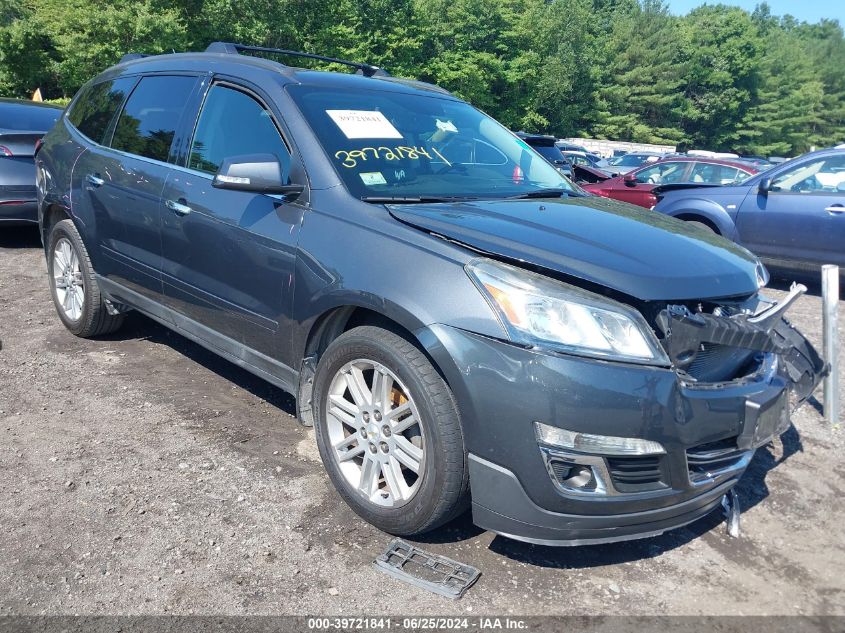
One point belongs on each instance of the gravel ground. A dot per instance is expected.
(140, 474)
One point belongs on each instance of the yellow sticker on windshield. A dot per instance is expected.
(351, 157)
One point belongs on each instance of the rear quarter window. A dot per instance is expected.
(95, 109)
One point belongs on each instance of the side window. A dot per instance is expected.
(716, 174)
(662, 173)
(232, 123)
(94, 111)
(823, 175)
(741, 176)
(148, 123)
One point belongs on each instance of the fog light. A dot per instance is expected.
(595, 444)
(580, 477)
(573, 475)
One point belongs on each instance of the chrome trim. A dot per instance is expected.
(604, 481)
(710, 478)
(604, 485)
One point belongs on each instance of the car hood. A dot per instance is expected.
(616, 245)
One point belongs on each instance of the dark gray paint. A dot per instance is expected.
(253, 277)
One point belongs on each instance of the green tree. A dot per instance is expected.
(718, 78)
(59, 44)
(721, 54)
(788, 103)
(641, 98)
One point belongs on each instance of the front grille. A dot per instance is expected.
(711, 457)
(634, 474)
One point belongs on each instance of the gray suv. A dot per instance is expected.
(459, 322)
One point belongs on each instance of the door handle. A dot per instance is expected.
(95, 180)
(836, 209)
(178, 207)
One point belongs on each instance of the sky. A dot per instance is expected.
(806, 10)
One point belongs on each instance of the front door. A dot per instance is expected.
(800, 222)
(229, 255)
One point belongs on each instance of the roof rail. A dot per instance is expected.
(235, 49)
(130, 56)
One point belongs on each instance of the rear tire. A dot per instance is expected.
(74, 287)
(397, 457)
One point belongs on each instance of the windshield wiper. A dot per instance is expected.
(414, 199)
(546, 193)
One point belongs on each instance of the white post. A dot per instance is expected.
(830, 305)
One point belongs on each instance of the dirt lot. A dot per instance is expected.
(141, 474)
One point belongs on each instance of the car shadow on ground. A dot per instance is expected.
(140, 327)
(19, 236)
(752, 488)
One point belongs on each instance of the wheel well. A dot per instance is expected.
(52, 215)
(692, 217)
(326, 329)
(339, 320)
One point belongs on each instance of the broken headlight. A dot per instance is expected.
(542, 312)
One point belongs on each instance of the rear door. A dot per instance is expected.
(228, 256)
(801, 221)
(122, 176)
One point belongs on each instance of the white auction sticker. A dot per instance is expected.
(373, 178)
(363, 124)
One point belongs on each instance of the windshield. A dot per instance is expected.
(628, 160)
(27, 118)
(549, 152)
(390, 144)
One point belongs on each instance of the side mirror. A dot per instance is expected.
(629, 179)
(258, 173)
(765, 186)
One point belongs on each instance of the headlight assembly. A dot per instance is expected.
(541, 312)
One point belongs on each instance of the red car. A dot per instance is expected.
(636, 186)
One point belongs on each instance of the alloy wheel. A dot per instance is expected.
(67, 279)
(374, 428)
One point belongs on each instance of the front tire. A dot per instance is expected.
(73, 285)
(389, 432)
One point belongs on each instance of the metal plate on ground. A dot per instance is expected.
(436, 573)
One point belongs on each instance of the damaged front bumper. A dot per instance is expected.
(708, 430)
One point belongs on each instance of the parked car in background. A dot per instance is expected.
(760, 161)
(546, 146)
(581, 158)
(637, 186)
(22, 124)
(792, 215)
(462, 326)
(628, 162)
(571, 147)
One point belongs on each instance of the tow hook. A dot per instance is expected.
(730, 506)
